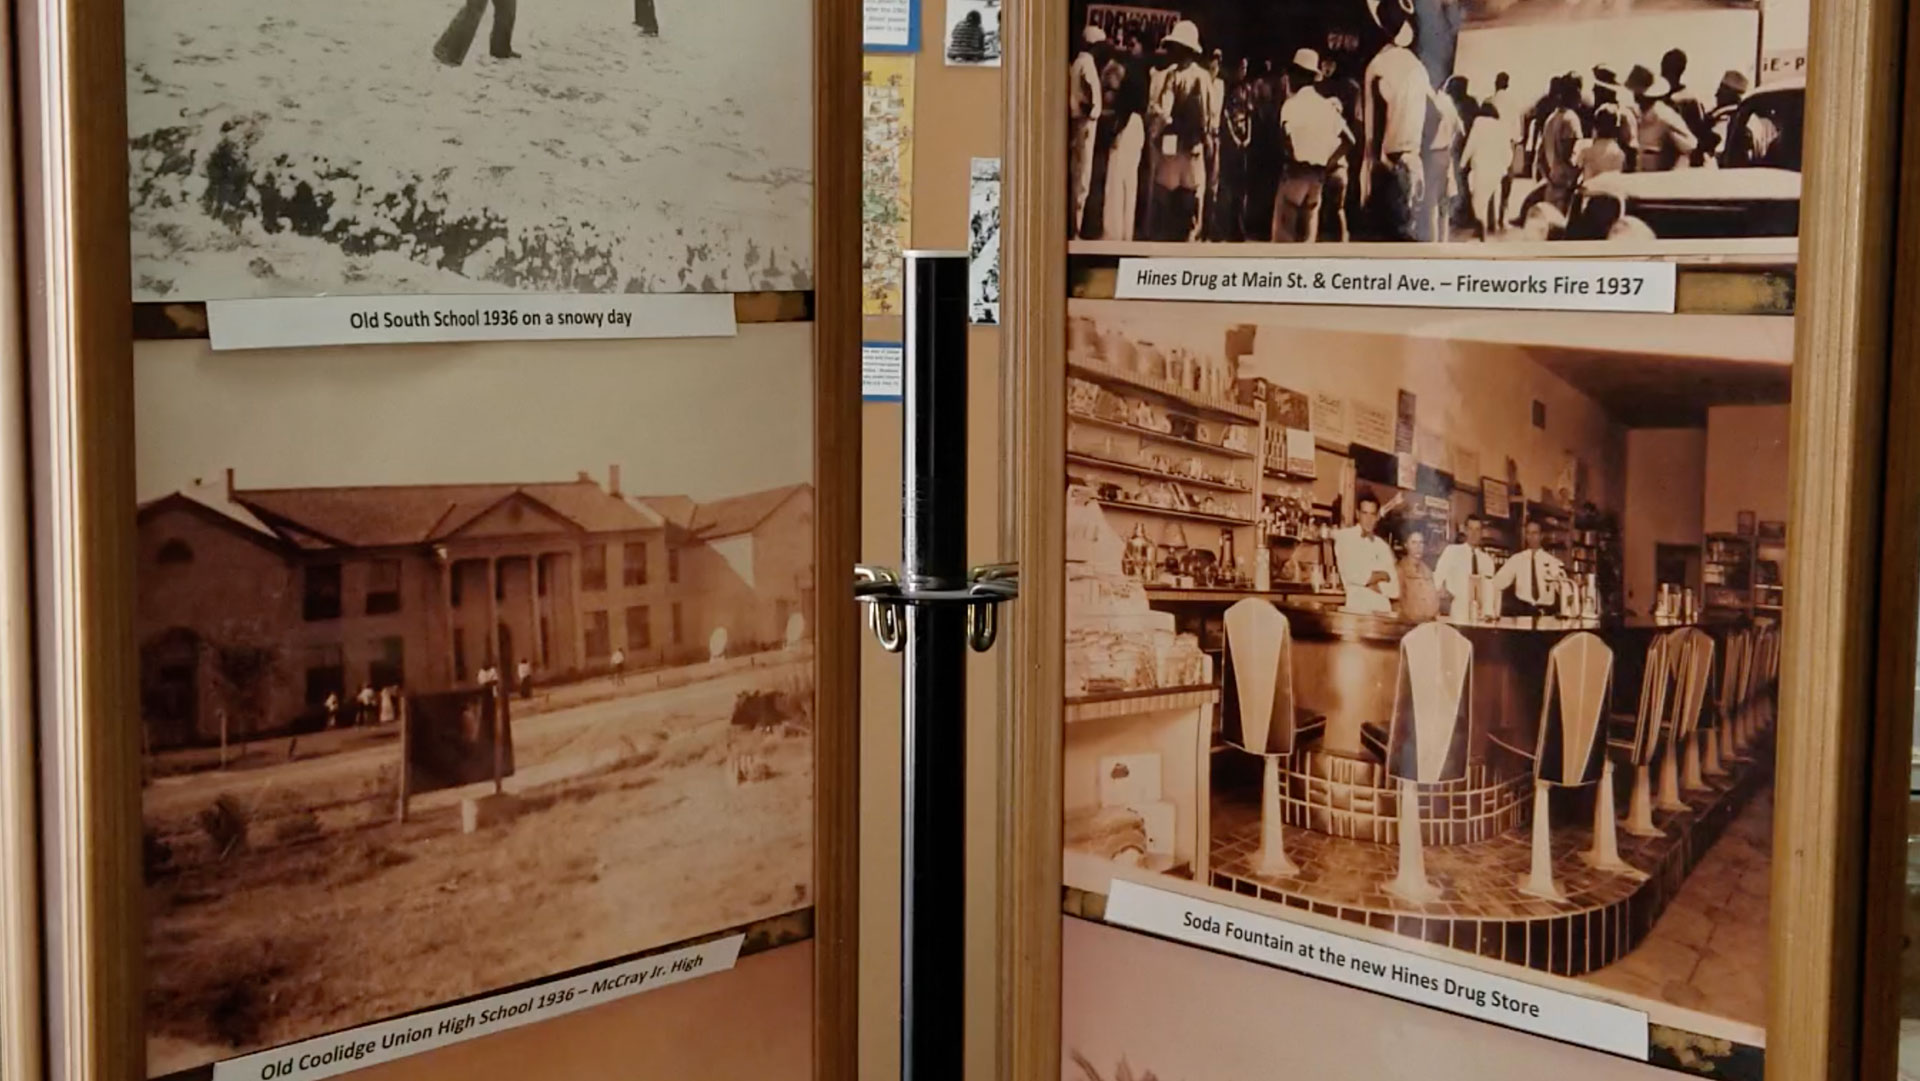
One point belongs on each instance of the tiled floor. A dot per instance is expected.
(1708, 952)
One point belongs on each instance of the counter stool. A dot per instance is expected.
(1732, 701)
(1750, 672)
(1693, 684)
(1650, 722)
(1258, 715)
(1571, 752)
(1428, 737)
(1732, 678)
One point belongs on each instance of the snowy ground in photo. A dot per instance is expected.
(286, 149)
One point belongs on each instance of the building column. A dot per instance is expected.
(493, 617)
(533, 602)
(452, 619)
(579, 605)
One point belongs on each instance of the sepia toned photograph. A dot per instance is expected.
(1446, 630)
(280, 149)
(462, 666)
(1651, 128)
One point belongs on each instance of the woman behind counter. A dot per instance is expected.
(1419, 593)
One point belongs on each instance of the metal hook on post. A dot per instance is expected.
(870, 584)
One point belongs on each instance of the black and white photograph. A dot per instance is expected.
(1670, 127)
(283, 149)
(459, 670)
(983, 242)
(1437, 630)
(973, 33)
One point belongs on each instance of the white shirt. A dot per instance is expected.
(1359, 555)
(524, 670)
(1454, 572)
(1313, 125)
(619, 656)
(1532, 574)
(1084, 96)
(1403, 85)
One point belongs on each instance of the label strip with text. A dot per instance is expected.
(1530, 284)
(1412, 977)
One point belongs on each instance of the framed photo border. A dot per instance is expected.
(71, 923)
(1855, 510)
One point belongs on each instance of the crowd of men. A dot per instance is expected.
(1172, 142)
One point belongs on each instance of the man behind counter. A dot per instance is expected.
(1459, 563)
(1529, 583)
(1366, 562)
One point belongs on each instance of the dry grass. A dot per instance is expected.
(333, 914)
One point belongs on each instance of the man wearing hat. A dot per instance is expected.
(1395, 96)
(1314, 135)
(1083, 122)
(1180, 114)
(1608, 91)
(1663, 139)
(1760, 130)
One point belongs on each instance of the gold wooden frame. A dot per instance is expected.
(1849, 511)
(69, 360)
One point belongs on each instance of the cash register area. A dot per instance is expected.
(1283, 685)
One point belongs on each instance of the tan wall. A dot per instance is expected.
(957, 118)
(1666, 479)
(751, 1024)
(1746, 464)
(1478, 395)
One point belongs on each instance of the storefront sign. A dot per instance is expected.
(882, 367)
(287, 322)
(1330, 418)
(1373, 427)
(1495, 500)
(1547, 285)
(368, 1045)
(1382, 969)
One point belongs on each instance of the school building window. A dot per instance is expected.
(673, 564)
(633, 564)
(176, 551)
(593, 567)
(459, 655)
(678, 637)
(383, 587)
(639, 627)
(599, 637)
(320, 593)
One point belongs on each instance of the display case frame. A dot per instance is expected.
(72, 774)
(1851, 555)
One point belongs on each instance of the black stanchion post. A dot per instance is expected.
(933, 612)
(934, 550)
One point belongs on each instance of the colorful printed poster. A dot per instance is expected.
(886, 180)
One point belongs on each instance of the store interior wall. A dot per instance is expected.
(956, 118)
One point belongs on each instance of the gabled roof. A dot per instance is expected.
(740, 514)
(401, 515)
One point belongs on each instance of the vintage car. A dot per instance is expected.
(1751, 189)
